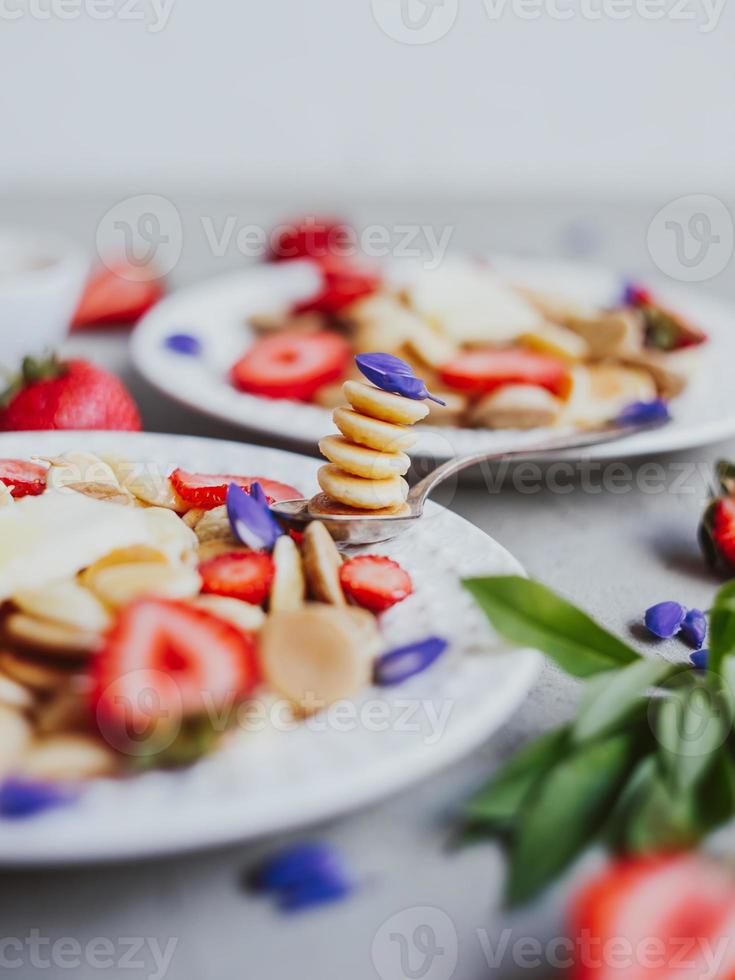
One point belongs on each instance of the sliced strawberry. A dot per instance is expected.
(164, 660)
(120, 293)
(291, 365)
(484, 369)
(239, 575)
(25, 479)
(669, 912)
(343, 283)
(208, 490)
(375, 582)
(311, 237)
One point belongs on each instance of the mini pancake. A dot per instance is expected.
(355, 491)
(361, 461)
(384, 405)
(373, 433)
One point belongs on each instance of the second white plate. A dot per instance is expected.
(217, 313)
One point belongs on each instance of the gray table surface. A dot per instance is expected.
(613, 552)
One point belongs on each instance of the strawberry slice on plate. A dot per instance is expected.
(165, 660)
(660, 916)
(484, 369)
(375, 582)
(208, 490)
(343, 283)
(239, 575)
(24, 479)
(291, 365)
(119, 293)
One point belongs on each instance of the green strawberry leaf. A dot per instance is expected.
(691, 727)
(658, 818)
(609, 699)
(496, 806)
(725, 473)
(527, 613)
(565, 812)
(722, 626)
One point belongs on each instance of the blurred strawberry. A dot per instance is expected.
(119, 293)
(717, 527)
(310, 237)
(68, 395)
(343, 282)
(663, 916)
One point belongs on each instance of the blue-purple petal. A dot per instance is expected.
(699, 659)
(694, 628)
(250, 518)
(297, 863)
(399, 664)
(390, 373)
(20, 798)
(184, 343)
(665, 618)
(304, 875)
(319, 891)
(642, 413)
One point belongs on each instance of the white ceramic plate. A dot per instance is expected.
(271, 779)
(217, 313)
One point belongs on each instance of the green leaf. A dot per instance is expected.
(528, 613)
(565, 812)
(727, 672)
(722, 626)
(691, 727)
(660, 819)
(497, 804)
(610, 698)
(716, 795)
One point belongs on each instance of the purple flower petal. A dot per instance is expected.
(699, 659)
(250, 518)
(392, 374)
(665, 618)
(184, 343)
(694, 628)
(401, 663)
(298, 863)
(21, 798)
(319, 891)
(303, 875)
(640, 413)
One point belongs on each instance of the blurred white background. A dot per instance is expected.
(298, 97)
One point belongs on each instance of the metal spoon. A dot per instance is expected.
(366, 528)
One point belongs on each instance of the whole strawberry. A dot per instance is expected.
(68, 395)
(717, 527)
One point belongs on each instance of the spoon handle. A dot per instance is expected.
(577, 440)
